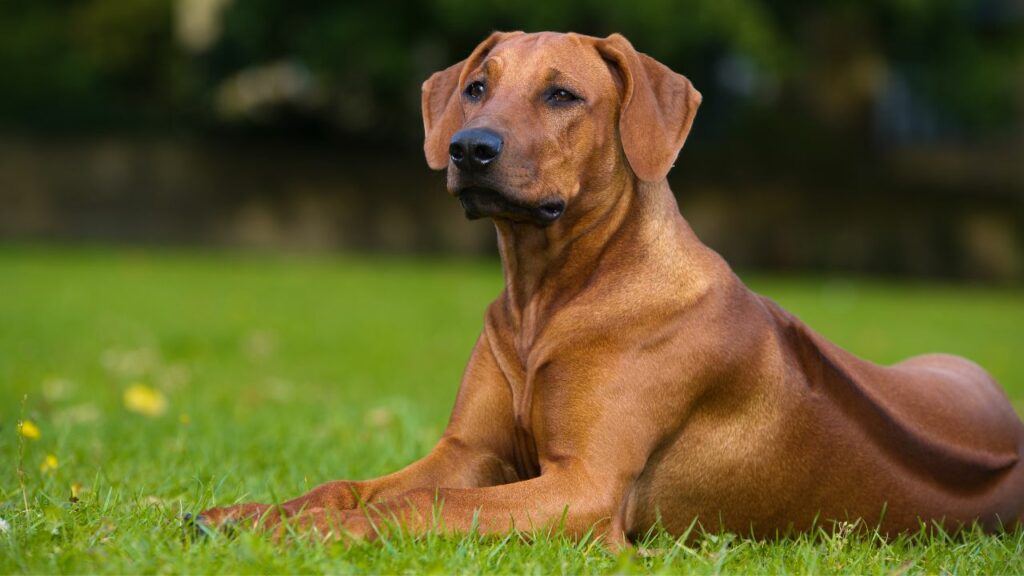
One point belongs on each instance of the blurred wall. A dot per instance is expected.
(884, 137)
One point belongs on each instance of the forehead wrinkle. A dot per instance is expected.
(577, 39)
(493, 66)
(526, 61)
(552, 74)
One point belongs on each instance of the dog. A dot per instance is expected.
(625, 377)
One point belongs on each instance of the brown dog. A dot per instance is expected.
(625, 374)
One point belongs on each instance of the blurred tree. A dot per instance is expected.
(353, 68)
(819, 118)
(79, 64)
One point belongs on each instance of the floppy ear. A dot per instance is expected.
(442, 113)
(657, 108)
(441, 102)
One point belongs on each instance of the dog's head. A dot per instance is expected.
(531, 126)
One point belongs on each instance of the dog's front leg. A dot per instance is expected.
(474, 452)
(448, 464)
(566, 498)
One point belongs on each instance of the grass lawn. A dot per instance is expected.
(160, 382)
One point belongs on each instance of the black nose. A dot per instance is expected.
(473, 149)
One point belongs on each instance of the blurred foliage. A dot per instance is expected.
(354, 68)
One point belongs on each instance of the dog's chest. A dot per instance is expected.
(525, 443)
(525, 454)
(521, 389)
(512, 348)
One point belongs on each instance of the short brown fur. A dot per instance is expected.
(626, 375)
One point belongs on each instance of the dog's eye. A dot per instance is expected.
(475, 91)
(561, 96)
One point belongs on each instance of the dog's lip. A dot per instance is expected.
(480, 201)
(551, 210)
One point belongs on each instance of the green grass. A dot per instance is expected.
(283, 373)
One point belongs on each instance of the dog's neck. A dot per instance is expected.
(547, 266)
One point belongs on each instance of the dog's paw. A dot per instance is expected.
(227, 519)
(194, 526)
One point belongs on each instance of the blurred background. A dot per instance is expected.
(876, 137)
(226, 272)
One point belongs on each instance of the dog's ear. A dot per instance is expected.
(656, 111)
(441, 102)
(442, 113)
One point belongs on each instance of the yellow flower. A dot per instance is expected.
(49, 463)
(76, 489)
(145, 400)
(29, 430)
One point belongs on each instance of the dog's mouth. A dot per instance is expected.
(482, 202)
